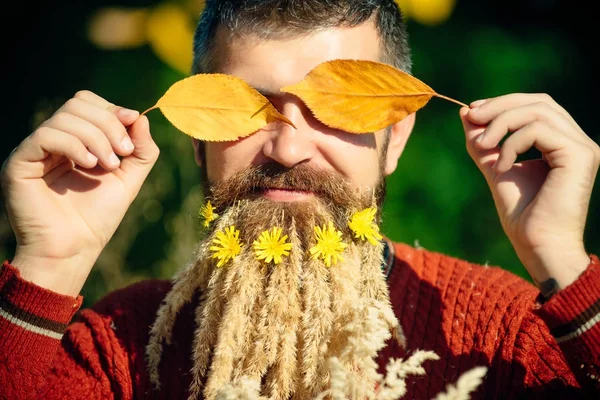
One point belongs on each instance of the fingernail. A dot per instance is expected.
(92, 158)
(113, 159)
(127, 113)
(126, 144)
(473, 111)
(477, 103)
(480, 138)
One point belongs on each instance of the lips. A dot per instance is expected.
(286, 190)
(285, 194)
(283, 188)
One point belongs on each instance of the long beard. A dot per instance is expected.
(275, 325)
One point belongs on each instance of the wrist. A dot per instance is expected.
(61, 275)
(561, 266)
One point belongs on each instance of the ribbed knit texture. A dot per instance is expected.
(470, 315)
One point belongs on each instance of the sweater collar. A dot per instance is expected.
(388, 258)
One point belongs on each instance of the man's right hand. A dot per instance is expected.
(66, 192)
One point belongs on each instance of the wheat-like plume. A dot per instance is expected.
(464, 386)
(240, 389)
(284, 377)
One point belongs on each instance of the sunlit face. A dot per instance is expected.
(270, 65)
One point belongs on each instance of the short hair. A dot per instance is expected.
(277, 19)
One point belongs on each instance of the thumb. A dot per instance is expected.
(484, 159)
(138, 165)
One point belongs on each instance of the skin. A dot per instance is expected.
(63, 217)
(542, 204)
(271, 65)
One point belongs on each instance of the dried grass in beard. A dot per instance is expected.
(235, 321)
(315, 326)
(208, 316)
(374, 286)
(346, 282)
(244, 294)
(359, 279)
(240, 369)
(354, 370)
(256, 363)
(264, 334)
(240, 389)
(282, 378)
(268, 335)
(162, 329)
(261, 348)
(185, 284)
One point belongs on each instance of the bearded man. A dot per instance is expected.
(293, 255)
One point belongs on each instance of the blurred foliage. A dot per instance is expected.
(130, 52)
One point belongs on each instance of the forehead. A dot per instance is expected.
(272, 64)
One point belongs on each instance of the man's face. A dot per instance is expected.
(270, 65)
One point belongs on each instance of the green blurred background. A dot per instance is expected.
(130, 52)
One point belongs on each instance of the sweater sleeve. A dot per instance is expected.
(559, 341)
(41, 358)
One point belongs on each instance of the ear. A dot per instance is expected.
(198, 151)
(399, 136)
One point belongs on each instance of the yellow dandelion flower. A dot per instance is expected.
(271, 246)
(364, 227)
(207, 212)
(226, 245)
(329, 244)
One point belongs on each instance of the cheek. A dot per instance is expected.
(223, 159)
(367, 140)
(354, 156)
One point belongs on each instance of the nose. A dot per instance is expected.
(291, 146)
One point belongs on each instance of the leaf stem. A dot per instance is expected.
(452, 100)
(148, 110)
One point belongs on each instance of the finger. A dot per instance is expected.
(483, 158)
(136, 167)
(538, 135)
(104, 119)
(516, 118)
(89, 134)
(491, 108)
(47, 141)
(125, 115)
(92, 98)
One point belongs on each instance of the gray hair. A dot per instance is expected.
(270, 19)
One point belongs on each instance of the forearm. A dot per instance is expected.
(32, 323)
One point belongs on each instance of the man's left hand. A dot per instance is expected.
(542, 204)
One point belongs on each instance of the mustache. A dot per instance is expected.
(252, 181)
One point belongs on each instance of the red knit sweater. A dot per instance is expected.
(468, 314)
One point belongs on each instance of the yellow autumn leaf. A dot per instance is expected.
(216, 107)
(360, 96)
